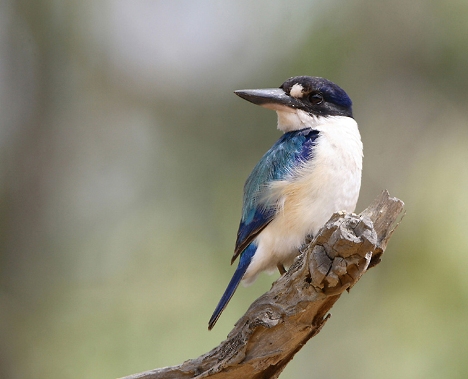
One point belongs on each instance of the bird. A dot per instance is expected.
(311, 172)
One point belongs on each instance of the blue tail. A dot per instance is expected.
(244, 262)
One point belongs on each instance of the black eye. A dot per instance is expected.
(316, 98)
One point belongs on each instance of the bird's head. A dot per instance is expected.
(302, 101)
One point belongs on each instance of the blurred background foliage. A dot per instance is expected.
(123, 153)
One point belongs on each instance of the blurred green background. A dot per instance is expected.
(123, 153)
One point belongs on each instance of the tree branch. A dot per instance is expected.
(281, 321)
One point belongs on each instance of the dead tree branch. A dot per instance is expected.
(280, 322)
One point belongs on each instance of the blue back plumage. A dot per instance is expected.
(278, 163)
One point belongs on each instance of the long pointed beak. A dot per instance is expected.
(272, 98)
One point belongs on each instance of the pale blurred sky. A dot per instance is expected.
(155, 45)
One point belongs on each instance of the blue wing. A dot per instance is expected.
(288, 152)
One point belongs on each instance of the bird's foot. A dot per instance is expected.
(281, 269)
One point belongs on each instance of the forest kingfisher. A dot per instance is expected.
(311, 172)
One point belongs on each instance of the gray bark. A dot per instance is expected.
(281, 321)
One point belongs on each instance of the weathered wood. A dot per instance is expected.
(281, 321)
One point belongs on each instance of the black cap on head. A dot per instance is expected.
(314, 95)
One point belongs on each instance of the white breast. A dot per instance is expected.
(328, 183)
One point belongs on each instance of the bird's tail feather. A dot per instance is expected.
(244, 262)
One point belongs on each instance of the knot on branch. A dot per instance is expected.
(342, 252)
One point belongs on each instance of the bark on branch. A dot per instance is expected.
(281, 321)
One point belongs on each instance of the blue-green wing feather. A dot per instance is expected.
(278, 163)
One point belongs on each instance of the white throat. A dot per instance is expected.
(296, 119)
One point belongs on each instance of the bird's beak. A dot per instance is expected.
(272, 98)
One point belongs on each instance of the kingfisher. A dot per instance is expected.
(311, 172)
